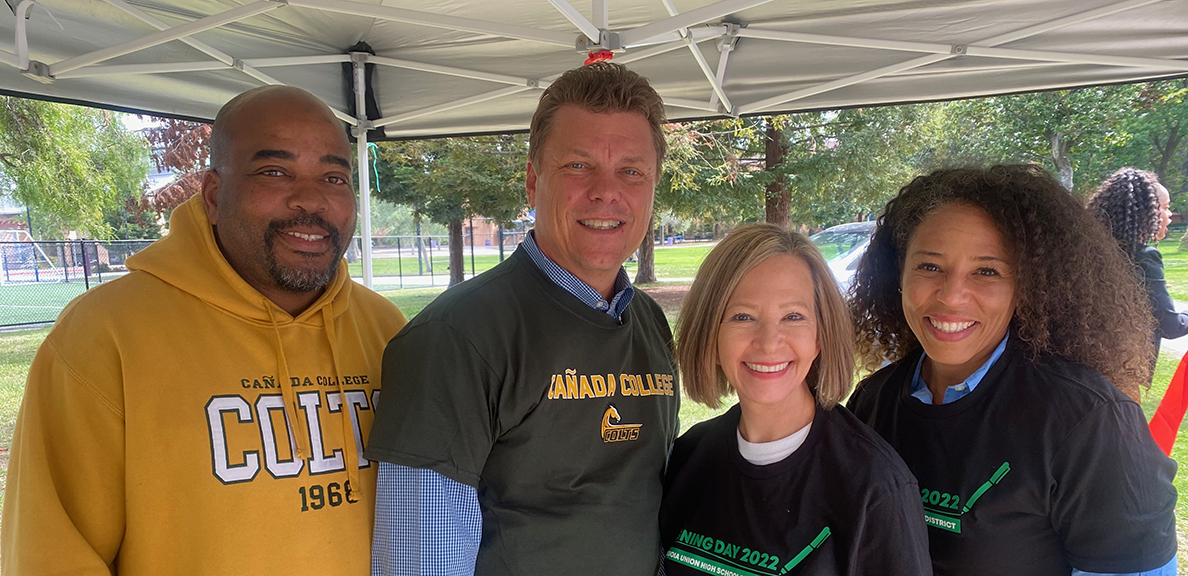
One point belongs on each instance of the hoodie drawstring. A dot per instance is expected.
(348, 428)
(301, 430)
(292, 409)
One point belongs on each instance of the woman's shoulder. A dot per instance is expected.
(1151, 252)
(1070, 380)
(860, 448)
(693, 438)
(883, 384)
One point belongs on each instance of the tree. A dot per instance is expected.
(1157, 130)
(182, 147)
(705, 177)
(68, 164)
(842, 165)
(1065, 130)
(135, 219)
(450, 180)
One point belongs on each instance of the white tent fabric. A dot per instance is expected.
(477, 66)
(470, 66)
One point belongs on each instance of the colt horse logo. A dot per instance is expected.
(612, 431)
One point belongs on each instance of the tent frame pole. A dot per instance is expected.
(359, 62)
(577, 19)
(163, 36)
(715, 83)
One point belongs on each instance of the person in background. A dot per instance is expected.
(528, 412)
(1013, 327)
(788, 480)
(1135, 208)
(205, 413)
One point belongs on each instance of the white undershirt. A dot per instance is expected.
(764, 453)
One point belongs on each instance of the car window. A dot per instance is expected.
(838, 245)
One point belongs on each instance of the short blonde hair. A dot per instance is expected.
(832, 372)
(602, 87)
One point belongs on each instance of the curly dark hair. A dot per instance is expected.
(1129, 207)
(1077, 296)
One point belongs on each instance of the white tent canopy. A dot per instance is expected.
(477, 66)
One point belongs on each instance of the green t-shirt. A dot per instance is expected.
(559, 415)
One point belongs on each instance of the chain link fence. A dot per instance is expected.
(38, 279)
(399, 262)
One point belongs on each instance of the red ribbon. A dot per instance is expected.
(599, 56)
(1166, 422)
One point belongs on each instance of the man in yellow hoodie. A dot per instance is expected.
(206, 413)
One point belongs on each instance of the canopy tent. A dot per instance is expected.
(477, 66)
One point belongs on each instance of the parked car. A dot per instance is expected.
(842, 246)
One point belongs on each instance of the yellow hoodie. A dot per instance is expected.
(152, 438)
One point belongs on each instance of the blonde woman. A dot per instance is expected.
(786, 481)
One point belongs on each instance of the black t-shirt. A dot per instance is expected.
(1045, 466)
(842, 503)
(559, 415)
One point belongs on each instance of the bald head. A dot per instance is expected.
(244, 112)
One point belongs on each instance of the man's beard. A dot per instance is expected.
(302, 279)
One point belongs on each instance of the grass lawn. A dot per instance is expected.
(16, 354)
(1175, 265)
(676, 261)
(412, 301)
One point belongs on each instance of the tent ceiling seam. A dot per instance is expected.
(1020, 34)
(458, 23)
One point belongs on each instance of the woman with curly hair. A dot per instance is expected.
(1013, 328)
(1135, 207)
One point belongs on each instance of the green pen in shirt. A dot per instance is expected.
(998, 474)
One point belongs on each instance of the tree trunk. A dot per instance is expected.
(1167, 150)
(1064, 169)
(457, 268)
(646, 255)
(778, 204)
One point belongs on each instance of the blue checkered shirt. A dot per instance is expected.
(426, 523)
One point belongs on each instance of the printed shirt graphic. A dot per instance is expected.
(842, 503)
(712, 556)
(944, 510)
(1044, 466)
(561, 416)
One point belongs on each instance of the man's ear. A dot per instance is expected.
(530, 185)
(211, 183)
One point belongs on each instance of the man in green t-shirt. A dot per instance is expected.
(527, 413)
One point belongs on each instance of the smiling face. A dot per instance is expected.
(592, 188)
(1164, 211)
(767, 340)
(281, 198)
(958, 290)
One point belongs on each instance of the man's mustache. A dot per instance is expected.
(313, 220)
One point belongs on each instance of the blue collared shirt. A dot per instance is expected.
(957, 391)
(623, 291)
(426, 523)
